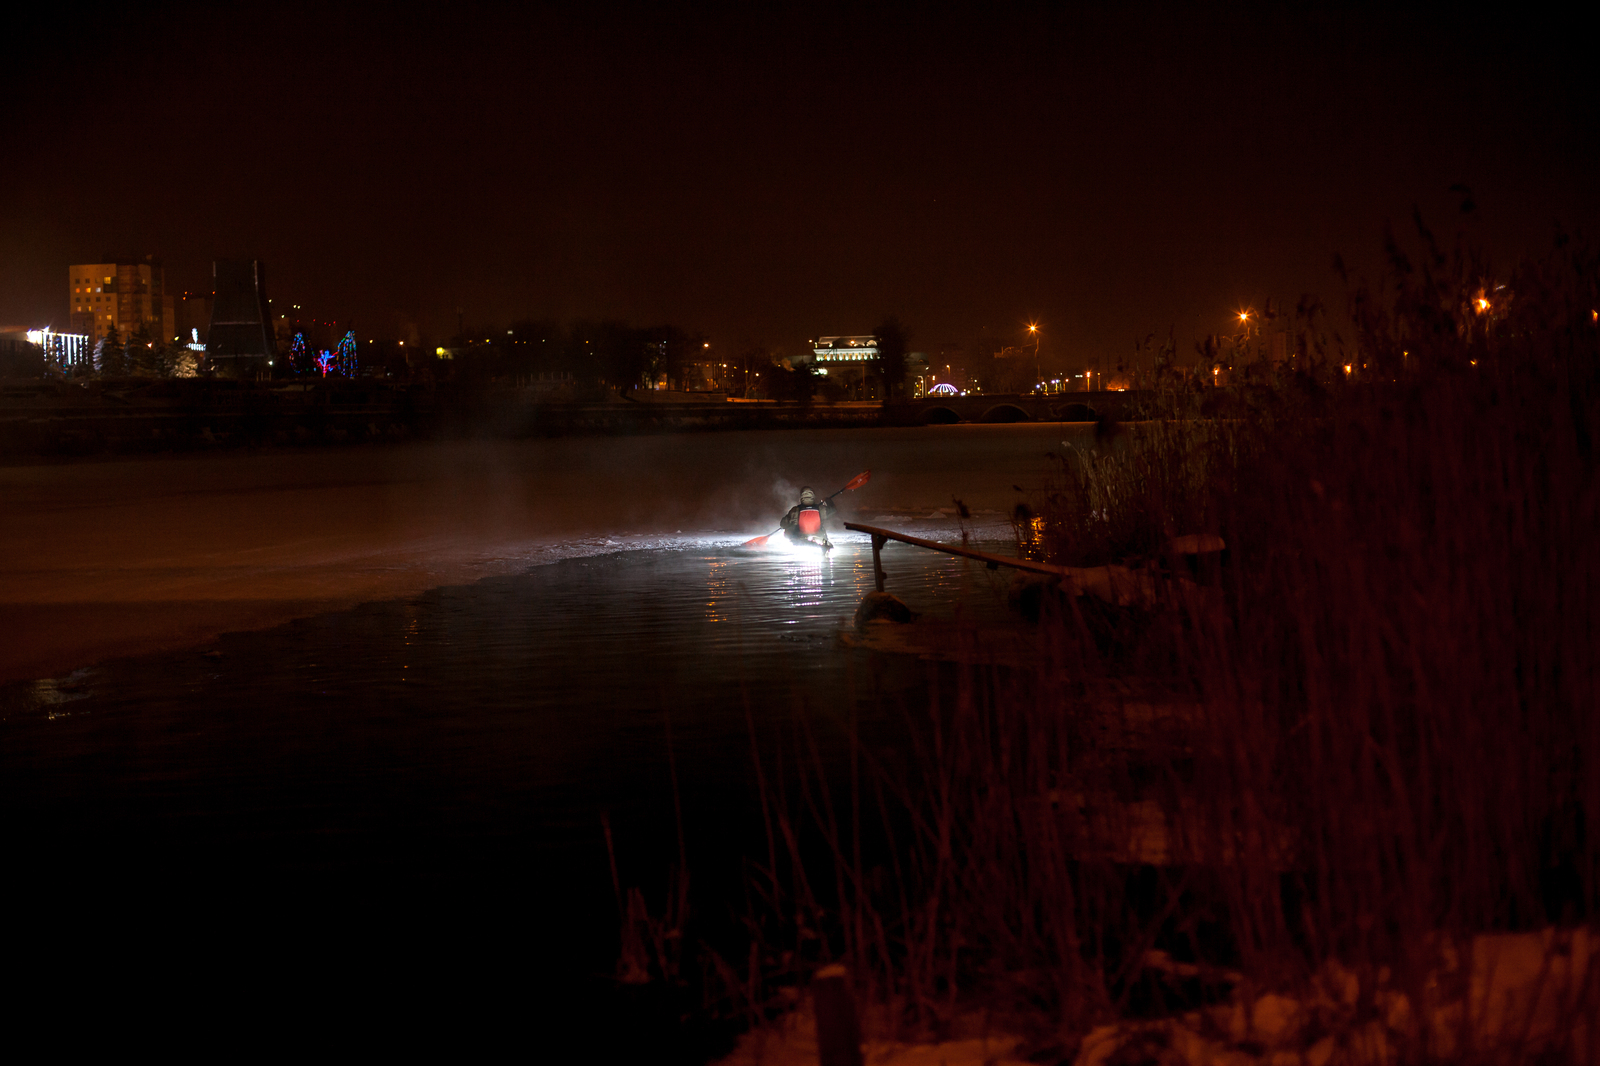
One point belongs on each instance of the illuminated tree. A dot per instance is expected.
(142, 357)
(346, 358)
(170, 357)
(110, 360)
(300, 361)
(182, 361)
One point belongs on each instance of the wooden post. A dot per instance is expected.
(877, 563)
(838, 1031)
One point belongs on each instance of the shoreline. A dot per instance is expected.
(48, 419)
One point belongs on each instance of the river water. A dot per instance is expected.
(410, 792)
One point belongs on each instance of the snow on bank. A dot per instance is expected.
(792, 1041)
(1516, 997)
(1508, 997)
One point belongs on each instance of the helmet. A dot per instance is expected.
(807, 496)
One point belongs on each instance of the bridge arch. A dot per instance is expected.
(1006, 412)
(1075, 412)
(939, 416)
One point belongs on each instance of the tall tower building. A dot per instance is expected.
(241, 340)
(121, 295)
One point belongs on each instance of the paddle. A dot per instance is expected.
(855, 483)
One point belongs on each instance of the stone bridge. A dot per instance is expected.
(1057, 407)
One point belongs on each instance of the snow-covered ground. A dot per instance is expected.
(1502, 997)
(135, 555)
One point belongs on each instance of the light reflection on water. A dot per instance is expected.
(477, 728)
(554, 662)
(568, 634)
(52, 694)
(452, 754)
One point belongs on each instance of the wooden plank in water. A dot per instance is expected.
(967, 553)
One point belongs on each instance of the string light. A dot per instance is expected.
(347, 355)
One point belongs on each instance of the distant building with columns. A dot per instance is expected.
(848, 362)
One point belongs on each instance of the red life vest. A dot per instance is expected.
(810, 521)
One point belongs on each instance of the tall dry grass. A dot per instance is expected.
(1368, 737)
(1404, 676)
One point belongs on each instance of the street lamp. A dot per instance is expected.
(1244, 321)
(1033, 328)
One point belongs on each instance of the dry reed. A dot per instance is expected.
(1370, 736)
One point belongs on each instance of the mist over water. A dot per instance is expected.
(127, 556)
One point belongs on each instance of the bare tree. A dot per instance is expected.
(892, 343)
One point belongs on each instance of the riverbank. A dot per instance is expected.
(59, 419)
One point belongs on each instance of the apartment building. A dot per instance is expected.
(120, 296)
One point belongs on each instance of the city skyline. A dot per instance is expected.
(778, 176)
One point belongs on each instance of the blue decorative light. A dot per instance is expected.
(347, 355)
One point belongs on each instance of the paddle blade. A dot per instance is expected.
(758, 542)
(857, 481)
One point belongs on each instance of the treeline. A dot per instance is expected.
(608, 354)
(585, 357)
(139, 354)
(615, 355)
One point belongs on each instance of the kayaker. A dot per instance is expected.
(807, 520)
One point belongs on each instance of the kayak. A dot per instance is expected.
(809, 520)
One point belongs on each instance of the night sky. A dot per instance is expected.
(772, 173)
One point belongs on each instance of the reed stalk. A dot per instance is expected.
(1367, 737)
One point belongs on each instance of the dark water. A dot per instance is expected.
(404, 800)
